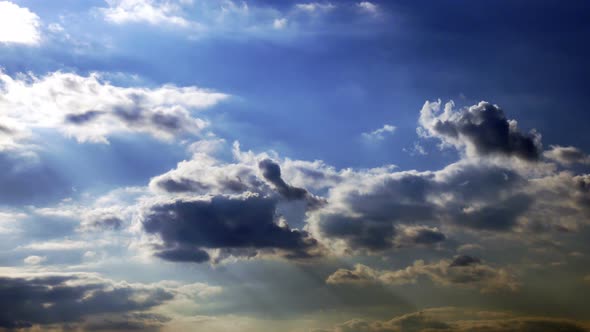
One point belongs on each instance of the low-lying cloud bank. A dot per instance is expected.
(86, 301)
(458, 319)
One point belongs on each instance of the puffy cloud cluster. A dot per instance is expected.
(381, 209)
(481, 129)
(91, 109)
(368, 210)
(457, 319)
(228, 209)
(462, 271)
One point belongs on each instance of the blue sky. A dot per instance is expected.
(294, 166)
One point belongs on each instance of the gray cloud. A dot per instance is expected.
(409, 236)
(60, 299)
(249, 222)
(380, 209)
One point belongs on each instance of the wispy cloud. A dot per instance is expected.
(381, 133)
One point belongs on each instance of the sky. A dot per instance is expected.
(261, 166)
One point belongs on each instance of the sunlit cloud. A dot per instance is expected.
(18, 25)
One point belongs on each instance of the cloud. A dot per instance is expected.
(482, 129)
(379, 134)
(34, 260)
(365, 209)
(154, 12)
(368, 7)
(18, 25)
(458, 319)
(271, 171)
(315, 6)
(411, 236)
(567, 155)
(204, 174)
(280, 23)
(91, 109)
(463, 271)
(43, 299)
(242, 225)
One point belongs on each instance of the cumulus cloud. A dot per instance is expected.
(91, 109)
(365, 209)
(462, 271)
(459, 319)
(379, 134)
(204, 174)
(149, 11)
(482, 130)
(18, 25)
(242, 225)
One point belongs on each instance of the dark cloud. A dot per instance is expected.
(383, 210)
(464, 260)
(497, 216)
(271, 171)
(182, 185)
(183, 254)
(485, 128)
(247, 222)
(427, 236)
(104, 222)
(359, 233)
(69, 299)
(82, 118)
(6, 130)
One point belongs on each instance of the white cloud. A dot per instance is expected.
(368, 7)
(34, 260)
(90, 109)
(315, 6)
(18, 25)
(279, 23)
(152, 12)
(379, 134)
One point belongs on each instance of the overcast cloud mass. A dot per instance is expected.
(261, 166)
